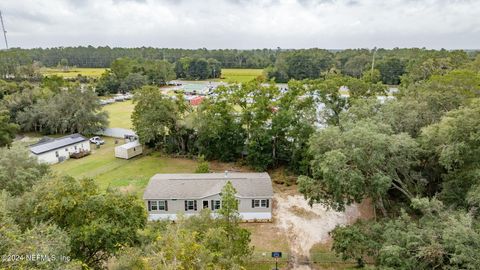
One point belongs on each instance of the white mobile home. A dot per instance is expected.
(128, 150)
(50, 150)
(169, 194)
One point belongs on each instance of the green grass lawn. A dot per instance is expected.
(132, 175)
(323, 256)
(73, 72)
(240, 75)
(119, 114)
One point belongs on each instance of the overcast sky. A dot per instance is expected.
(243, 24)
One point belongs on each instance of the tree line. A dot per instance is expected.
(126, 74)
(394, 65)
(102, 57)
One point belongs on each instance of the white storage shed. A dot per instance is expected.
(128, 150)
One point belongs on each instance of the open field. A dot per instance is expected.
(73, 72)
(228, 74)
(132, 174)
(119, 114)
(238, 75)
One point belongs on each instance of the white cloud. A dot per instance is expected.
(244, 23)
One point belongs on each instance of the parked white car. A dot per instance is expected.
(97, 140)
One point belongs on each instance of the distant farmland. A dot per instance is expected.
(73, 72)
(240, 75)
(228, 74)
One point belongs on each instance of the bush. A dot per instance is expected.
(203, 166)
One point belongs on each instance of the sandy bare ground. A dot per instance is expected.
(306, 226)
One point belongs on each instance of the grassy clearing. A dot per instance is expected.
(239, 75)
(325, 258)
(266, 238)
(132, 175)
(73, 72)
(265, 265)
(119, 114)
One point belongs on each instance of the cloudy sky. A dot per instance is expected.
(243, 24)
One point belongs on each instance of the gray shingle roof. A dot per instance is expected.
(201, 185)
(49, 144)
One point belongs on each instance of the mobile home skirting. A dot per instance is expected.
(248, 216)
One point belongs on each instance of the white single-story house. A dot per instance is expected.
(128, 150)
(169, 194)
(54, 150)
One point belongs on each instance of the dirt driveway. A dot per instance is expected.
(306, 226)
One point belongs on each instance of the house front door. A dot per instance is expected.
(205, 204)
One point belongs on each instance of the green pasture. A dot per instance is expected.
(240, 75)
(132, 175)
(73, 72)
(119, 114)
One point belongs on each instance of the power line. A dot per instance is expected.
(3, 29)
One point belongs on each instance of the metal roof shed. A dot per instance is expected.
(128, 150)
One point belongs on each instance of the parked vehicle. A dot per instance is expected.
(97, 140)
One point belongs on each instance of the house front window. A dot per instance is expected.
(263, 203)
(260, 203)
(190, 205)
(161, 205)
(56, 154)
(153, 205)
(157, 205)
(216, 205)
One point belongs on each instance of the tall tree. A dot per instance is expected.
(69, 111)
(220, 135)
(341, 174)
(454, 144)
(439, 238)
(154, 117)
(108, 83)
(235, 247)
(391, 70)
(98, 223)
(19, 171)
(7, 129)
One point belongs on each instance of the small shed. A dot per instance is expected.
(128, 150)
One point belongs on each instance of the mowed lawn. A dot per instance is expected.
(73, 72)
(119, 114)
(133, 174)
(240, 75)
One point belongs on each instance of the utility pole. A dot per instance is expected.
(3, 29)
(373, 60)
(373, 64)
